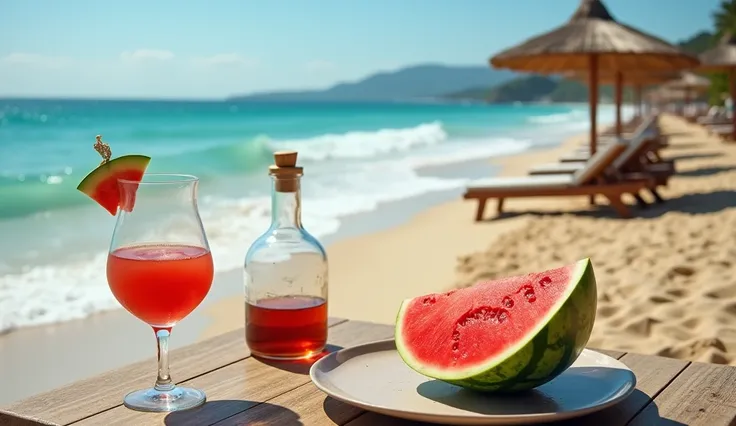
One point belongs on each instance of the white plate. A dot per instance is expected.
(375, 378)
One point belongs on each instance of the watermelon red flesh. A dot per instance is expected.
(502, 313)
(102, 183)
(511, 334)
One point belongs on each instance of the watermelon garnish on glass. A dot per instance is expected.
(505, 335)
(101, 184)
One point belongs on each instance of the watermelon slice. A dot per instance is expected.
(507, 335)
(101, 184)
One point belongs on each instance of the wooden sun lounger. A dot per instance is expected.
(634, 159)
(636, 156)
(724, 131)
(629, 126)
(591, 180)
(648, 127)
(712, 121)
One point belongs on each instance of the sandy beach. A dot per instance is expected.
(665, 285)
(663, 277)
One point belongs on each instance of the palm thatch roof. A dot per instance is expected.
(592, 30)
(722, 57)
(688, 81)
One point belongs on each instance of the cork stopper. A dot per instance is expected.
(285, 171)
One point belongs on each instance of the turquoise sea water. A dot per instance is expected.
(52, 233)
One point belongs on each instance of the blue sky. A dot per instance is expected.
(213, 48)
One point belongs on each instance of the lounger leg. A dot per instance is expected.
(640, 201)
(499, 207)
(481, 209)
(618, 205)
(591, 199)
(657, 198)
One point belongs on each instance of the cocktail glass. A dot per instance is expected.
(160, 269)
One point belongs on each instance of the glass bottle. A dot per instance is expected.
(286, 276)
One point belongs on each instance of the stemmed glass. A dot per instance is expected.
(160, 268)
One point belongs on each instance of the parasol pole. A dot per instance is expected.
(619, 100)
(593, 100)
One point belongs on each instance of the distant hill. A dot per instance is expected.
(422, 81)
(698, 43)
(474, 83)
(524, 89)
(533, 88)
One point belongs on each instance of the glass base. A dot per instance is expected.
(288, 357)
(154, 401)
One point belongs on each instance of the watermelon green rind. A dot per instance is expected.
(101, 183)
(545, 352)
(93, 179)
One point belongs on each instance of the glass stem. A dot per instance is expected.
(163, 381)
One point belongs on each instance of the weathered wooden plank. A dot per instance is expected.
(103, 392)
(7, 419)
(612, 354)
(312, 407)
(703, 394)
(653, 374)
(305, 405)
(371, 419)
(242, 385)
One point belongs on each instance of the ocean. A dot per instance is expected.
(53, 239)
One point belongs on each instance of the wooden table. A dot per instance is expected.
(244, 391)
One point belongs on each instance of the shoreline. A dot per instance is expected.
(222, 310)
(227, 315)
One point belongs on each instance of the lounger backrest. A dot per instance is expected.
(649, 124)
(643, 134)
(599, 162)
(634, 148)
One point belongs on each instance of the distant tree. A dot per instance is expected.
(724, 20)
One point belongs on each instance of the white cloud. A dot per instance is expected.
(35, 59)
(319, 65)
(226, 60)
(145, 55)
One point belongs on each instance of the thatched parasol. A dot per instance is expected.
(723, 58)
(663, 94)
(636, 80)
(687, 83)
(592, 39)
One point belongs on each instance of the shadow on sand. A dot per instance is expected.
(674, 134)
(235, 412)
(705, 171)
(691, 203)
(702, 156)
(690, 145)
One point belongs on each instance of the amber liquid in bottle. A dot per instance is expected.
(286, 277)
(290, 326)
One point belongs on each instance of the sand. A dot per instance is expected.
(664, 278)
